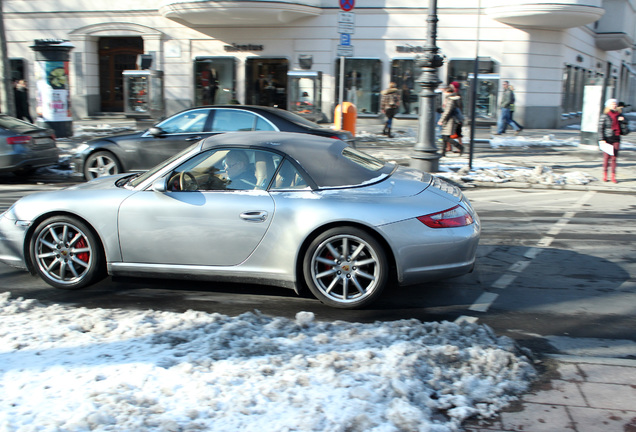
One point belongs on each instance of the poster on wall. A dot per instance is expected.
(53, 101)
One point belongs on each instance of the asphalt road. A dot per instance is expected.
(556, 271)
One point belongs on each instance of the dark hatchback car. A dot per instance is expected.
(142, 150)
(25, 146)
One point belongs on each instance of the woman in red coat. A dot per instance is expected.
(612, 125)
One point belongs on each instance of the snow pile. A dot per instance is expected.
(459, 172)
(525, 142)
(79, 369)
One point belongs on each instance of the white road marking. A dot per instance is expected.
(483, 303)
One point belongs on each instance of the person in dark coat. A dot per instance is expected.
(21, 94)
(612, 124)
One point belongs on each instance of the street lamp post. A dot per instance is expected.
(426, 157)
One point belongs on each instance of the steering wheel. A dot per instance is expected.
(187, 181)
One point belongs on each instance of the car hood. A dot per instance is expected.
(107, 182)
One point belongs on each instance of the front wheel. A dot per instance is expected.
(66, 254)
(346, 268)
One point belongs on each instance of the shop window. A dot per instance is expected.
(463, 71)
(266, 82)
(362, 84)
(215, 80)
(404, 73)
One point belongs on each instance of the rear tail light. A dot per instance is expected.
(18, 140)
(453, 217)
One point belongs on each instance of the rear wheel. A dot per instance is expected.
(346, 268)
(100, 164)
(66, 254)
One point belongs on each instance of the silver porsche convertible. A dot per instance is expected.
(285, 209)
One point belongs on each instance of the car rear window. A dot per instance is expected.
(364, 160)
(15, 125)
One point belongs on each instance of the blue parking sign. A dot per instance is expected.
(345, 39)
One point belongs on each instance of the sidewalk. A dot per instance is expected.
(536, 158)
(578, 394)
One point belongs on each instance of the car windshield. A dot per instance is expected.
(136, 181)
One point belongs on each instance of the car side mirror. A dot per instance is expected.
(160, 185)
(156, 131)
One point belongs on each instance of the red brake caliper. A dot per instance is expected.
(83, 256)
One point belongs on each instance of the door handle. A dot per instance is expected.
(194, 138)
(254, 216)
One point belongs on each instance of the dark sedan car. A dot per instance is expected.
(142, 150)
(24, 146)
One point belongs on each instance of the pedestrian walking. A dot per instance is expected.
(21, 93)
(389, 106)
(448, 120)
(513, 122)
(459, 115)
(612, 125)
(507, 106)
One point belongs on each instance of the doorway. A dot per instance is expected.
(266, 82)
(116, 54)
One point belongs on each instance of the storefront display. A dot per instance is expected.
(305, 94)
(215, 80)
(143, 93)
(362, 84)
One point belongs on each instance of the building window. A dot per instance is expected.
(362, 84)
(404, 73)
(573, 89)
(215, 80)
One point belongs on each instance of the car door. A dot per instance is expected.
(210, 225)
(180, 131)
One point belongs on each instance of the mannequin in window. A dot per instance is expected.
(209, 84)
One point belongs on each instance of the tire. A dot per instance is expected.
(66, 254)
(353, 279)
(100, 164)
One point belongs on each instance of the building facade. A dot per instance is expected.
(287, 53)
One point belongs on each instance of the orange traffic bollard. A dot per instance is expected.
(349, 117)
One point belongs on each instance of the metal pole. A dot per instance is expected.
(473, 108)
(7, 101)
(426, 157)
(341, 91)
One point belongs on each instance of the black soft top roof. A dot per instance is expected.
(322, 158)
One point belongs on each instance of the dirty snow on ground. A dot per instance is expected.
(483, 170)
(66, 368)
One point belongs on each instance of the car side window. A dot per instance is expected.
(226, 120)
(226, 170)
(288, 177)
(186, 122)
